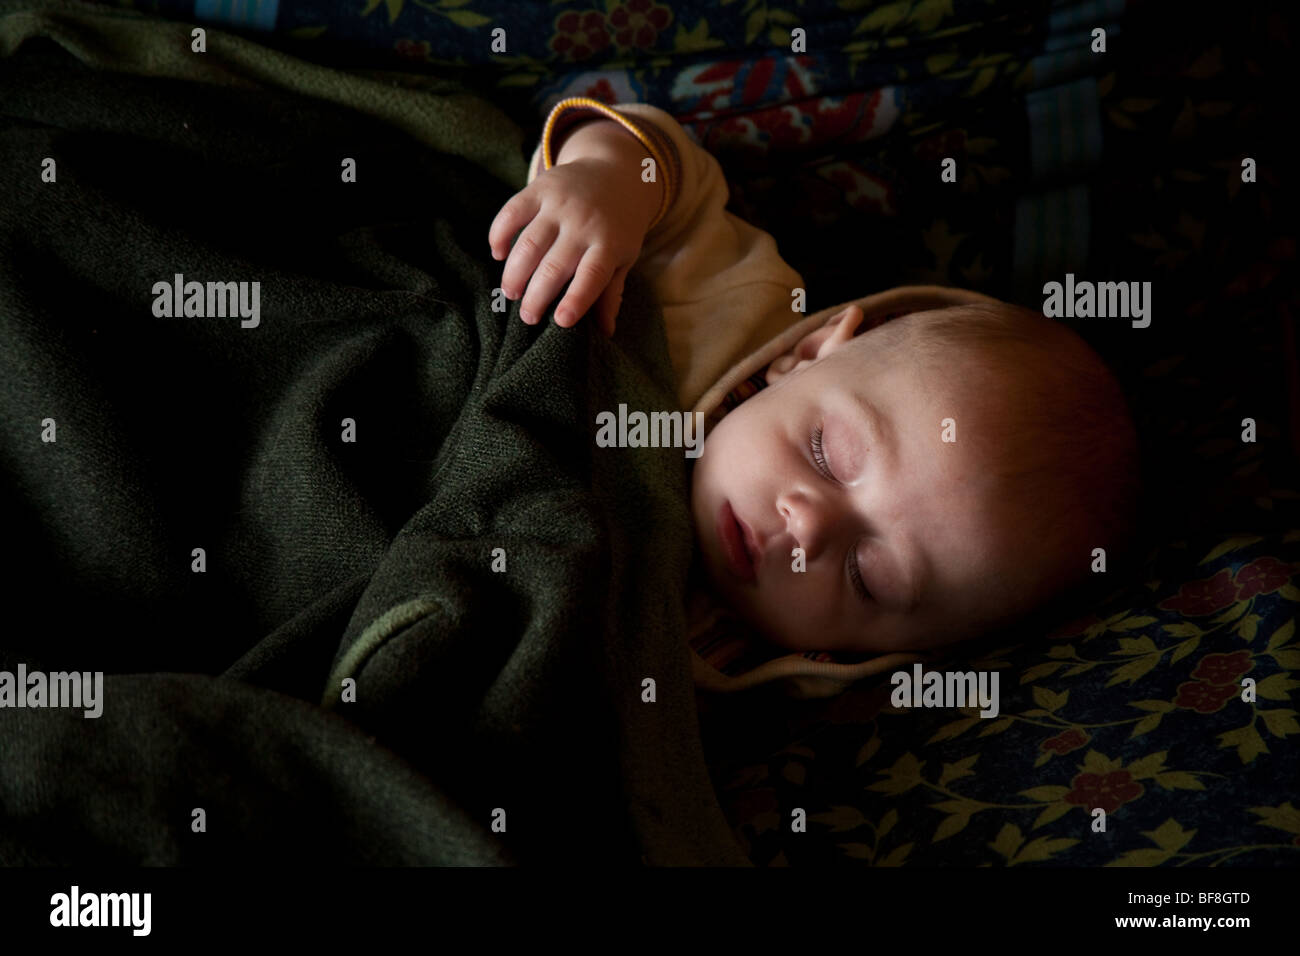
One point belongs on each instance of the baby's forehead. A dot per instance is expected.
(922, 361)
(969, 361)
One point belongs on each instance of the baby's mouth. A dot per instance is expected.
(734, 546)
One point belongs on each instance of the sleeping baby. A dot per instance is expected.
(879, 479)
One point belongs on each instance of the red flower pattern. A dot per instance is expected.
(415, 49)
(1205, 596)
(1110, 791)
(601, 90)
(1261, 576)
(1223, 668)
(580, 36)
(1202, 697)
(1066, 741)
(637, 23)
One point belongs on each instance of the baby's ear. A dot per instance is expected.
(820, 342)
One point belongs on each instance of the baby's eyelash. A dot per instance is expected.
(855, 575)
(818, 456)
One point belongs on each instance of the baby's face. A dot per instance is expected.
(918, 521)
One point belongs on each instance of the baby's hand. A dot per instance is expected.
(580, 220)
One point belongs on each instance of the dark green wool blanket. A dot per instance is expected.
(362, 586)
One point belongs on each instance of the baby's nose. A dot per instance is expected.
(808, 523)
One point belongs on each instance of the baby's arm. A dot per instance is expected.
(584, 218)
(722, 284)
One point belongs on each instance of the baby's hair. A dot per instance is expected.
(1070, 447)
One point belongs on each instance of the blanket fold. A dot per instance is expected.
(363, 585)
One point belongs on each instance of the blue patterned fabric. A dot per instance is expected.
(251, 14)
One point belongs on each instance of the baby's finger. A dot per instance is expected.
(533, 243)
(611, 299)
(592, 275)
(513, 216)
(548, 279)
(606, 322)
